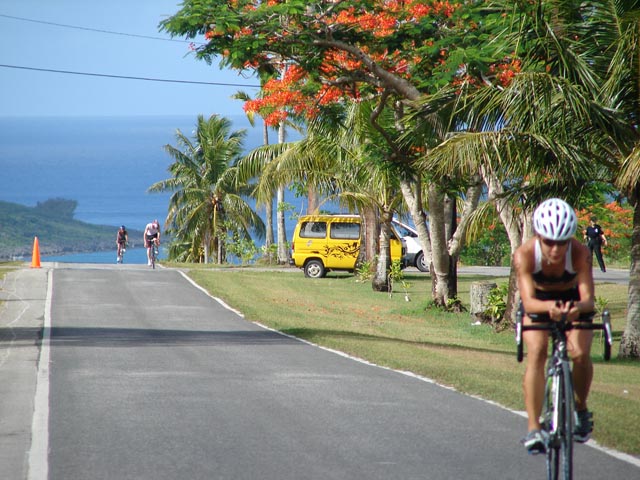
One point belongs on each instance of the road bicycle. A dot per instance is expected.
(120, 253)
(153, 253)
(558, 411)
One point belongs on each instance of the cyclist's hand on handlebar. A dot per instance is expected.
(566, 310)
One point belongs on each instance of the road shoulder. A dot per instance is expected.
(23, 293)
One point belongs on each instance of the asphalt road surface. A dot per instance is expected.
(142, 375)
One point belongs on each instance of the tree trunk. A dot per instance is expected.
(312, 201)
(268, 213)
(513, 302)
(630, 342)
(440, 253)
(512, 224)
(206, 244)
(268, 208)
(479, 301)
(457, 231)
(451, 217)
(453, 232)
(380, 282)
(283, 250)
(370, 235)
(412, 194)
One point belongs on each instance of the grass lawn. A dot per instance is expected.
(341, 313)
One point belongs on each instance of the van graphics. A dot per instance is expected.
(342, 251)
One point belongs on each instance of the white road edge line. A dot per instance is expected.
(39, 451)
(591, 443)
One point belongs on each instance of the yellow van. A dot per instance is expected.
(331, 242)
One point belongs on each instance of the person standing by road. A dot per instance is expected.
(151, 236)
(595, 239)
(122, 238)
(555, 278)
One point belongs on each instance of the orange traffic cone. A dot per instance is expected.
(35, 257)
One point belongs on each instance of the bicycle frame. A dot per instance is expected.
(153, 252)
(559, 413)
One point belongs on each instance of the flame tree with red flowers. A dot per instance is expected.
(314, 54)
(425, 61)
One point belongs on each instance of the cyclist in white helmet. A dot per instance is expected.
(554, 278)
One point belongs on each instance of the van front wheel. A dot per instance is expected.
(314, 269)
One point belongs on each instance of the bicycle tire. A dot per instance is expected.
(565, 418)
(558, 420)
(606, 337)
(519, 341)
(549, 423)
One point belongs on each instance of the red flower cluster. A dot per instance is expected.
(283, 96)
(506, 71)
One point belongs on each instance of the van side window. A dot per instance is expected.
(313, 230)
(345, 231)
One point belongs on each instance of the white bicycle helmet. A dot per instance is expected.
(555, 219)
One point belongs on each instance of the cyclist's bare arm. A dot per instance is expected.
(524, 265)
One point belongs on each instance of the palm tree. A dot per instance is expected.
(202, 198)
(598, 52)
(620, 55)
(340, 158)
(251, 171)
(543, 134)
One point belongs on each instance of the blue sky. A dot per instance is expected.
(35, 42)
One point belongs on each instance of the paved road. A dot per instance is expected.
(149, 378)
(610, 276)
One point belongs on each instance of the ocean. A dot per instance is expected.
(106, 164)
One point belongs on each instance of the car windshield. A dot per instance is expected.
(403, 230)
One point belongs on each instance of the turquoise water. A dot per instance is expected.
(106, 164)
(131, 256)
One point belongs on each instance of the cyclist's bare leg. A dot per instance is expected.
(579, 348)
(533, 381)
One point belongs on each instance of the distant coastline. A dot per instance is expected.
(106, 164)
(58, 234)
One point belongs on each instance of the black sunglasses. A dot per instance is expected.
(552, 243)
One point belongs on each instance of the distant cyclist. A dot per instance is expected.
(122, 238)
(555, 278)
(151, 236)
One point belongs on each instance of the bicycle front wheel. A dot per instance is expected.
(560, 451)
(550, 422)
(566, 446)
